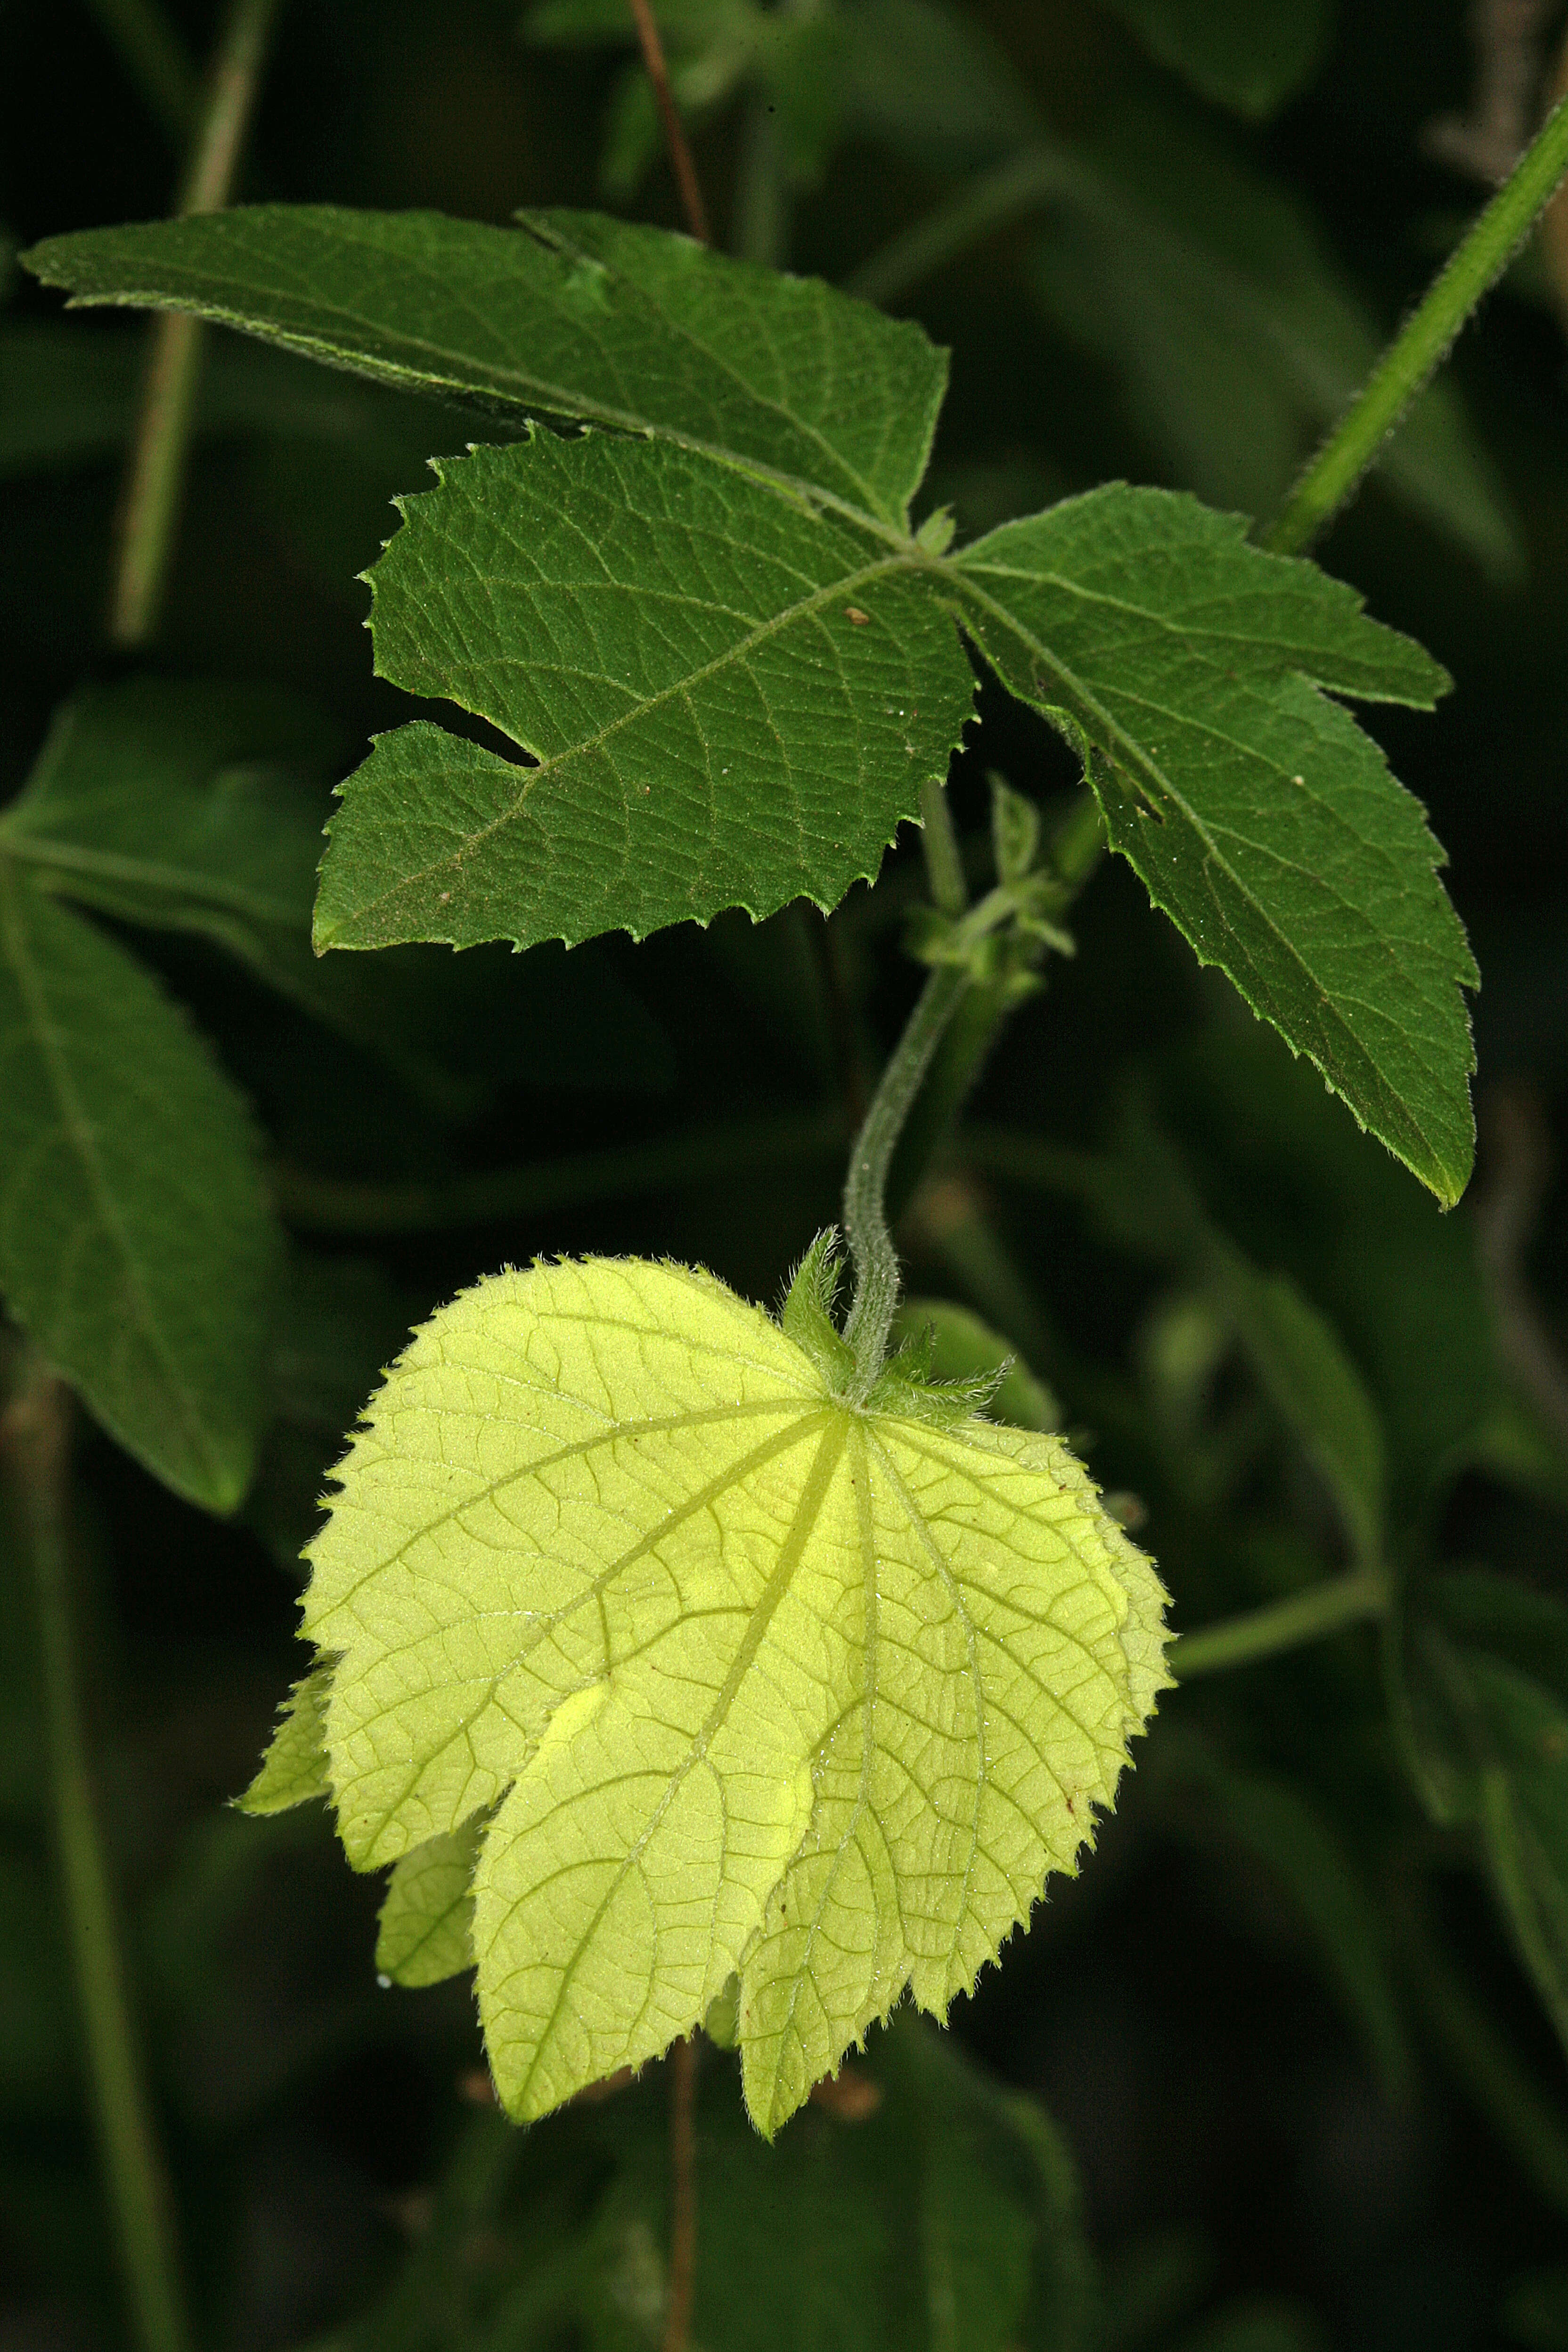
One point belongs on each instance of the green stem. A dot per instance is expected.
(865, 1192)
(35, 1438)
(157, 61)
(331, 1204)
(155, 479)
(1075, 852)
(1424, 339)
(1285, 1624)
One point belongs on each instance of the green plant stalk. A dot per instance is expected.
(970, 1041)
(1421, 343)
(865, 1224)
(155, 479)
(1300, 1617)
(156, 59)
(35, 1440)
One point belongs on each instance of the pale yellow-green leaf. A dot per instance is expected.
(294, 1768)
(428, 1918)
(752, 1682)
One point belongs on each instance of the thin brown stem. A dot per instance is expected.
(685, 170)
(682, 2197)
(155, 478)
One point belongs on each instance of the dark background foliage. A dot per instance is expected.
(1269, 2160)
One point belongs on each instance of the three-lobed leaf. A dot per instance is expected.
(748, 1681)
(735, 668)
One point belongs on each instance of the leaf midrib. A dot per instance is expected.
(1125, 750)
(551, 399)
(174, 882)
(814, 1494)
(741, 651)
(79, 1127)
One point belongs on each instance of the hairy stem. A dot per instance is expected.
(865, 1192)
(156, 59)
(155, 479)
(1423, 341)
(1285, 1624)
(1075, 852)
(675, 138)
(682, 2197)
(35, 1442)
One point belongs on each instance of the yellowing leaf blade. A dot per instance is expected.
(757, 1683)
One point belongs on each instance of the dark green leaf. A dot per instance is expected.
(1280, 1824)
(1401, 1287)
(925, 80)
(183, 808)
(1489, 1707)
(1187, 664)
(71, 392)
(731, 700)
(1251, 55)
(571, 315)
(1317, 1389)
(1535, 2310)
(340, 1321)
(914, 2208)
(1209, 293)
(137, 1243)
(939, 2212)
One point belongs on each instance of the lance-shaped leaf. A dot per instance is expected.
(757, 1683)
(571, 314)
(733, 700)
(137, 1243)
(1251, 55)
(1186, 665)
(183, 807)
